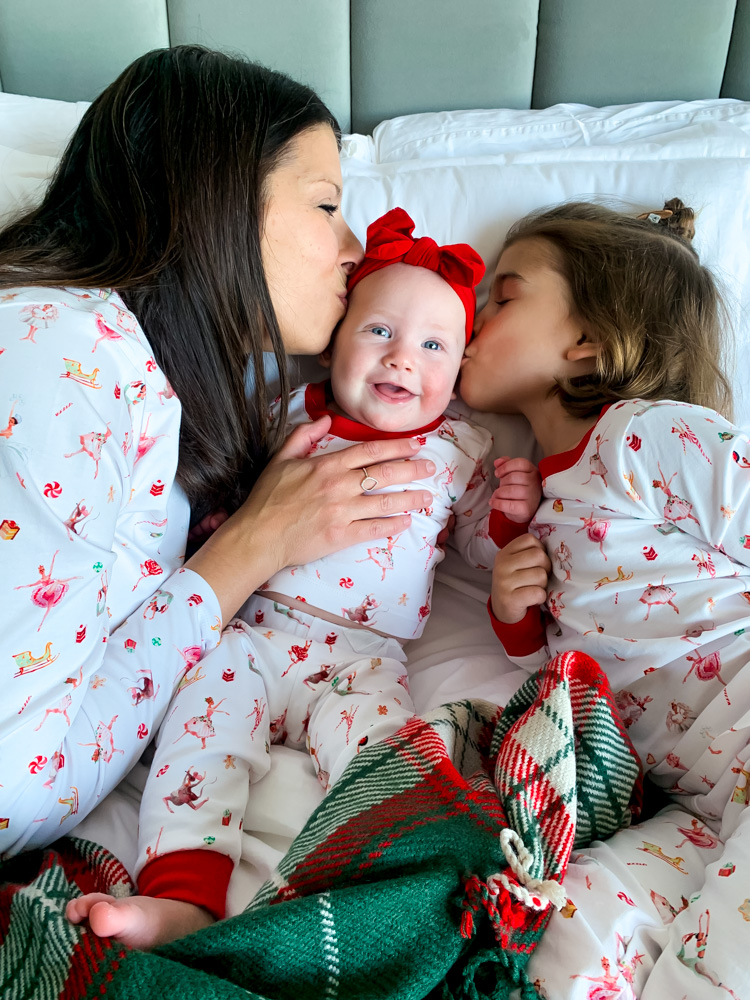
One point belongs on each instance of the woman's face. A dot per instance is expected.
(308, 250)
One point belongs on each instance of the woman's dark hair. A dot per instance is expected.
(638, 286)
(160, 194)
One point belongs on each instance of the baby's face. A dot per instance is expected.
(396, 355)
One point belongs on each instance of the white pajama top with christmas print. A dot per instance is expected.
(647, 525)
(92, 537)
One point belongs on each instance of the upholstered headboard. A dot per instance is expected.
(376, 59)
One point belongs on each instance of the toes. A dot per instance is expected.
(79, 908)
(108, 919)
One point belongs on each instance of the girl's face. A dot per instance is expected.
(524, 335)
(307, 248)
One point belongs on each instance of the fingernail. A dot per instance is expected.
(415, 445)
(427, 499)
(430, 467)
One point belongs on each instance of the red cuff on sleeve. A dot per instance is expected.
(199, 877)
(520, 638)
(502, 530)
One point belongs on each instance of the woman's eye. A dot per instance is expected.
(432, 345)
(380, 331)
(330, 209)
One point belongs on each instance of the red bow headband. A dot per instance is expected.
(390, 241)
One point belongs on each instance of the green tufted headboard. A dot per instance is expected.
(376, 59)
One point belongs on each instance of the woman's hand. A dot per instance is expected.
(519, 578)
(304, 507)
(315, 505)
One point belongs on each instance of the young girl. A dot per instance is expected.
(610, 334)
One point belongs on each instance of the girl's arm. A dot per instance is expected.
(689, 468)
(519, 588)
(85, 479)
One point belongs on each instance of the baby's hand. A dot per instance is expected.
(444, 534)
(520, 488)
(519, 578)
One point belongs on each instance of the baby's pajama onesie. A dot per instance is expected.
(281, 675)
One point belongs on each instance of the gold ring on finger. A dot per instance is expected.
(369, 483)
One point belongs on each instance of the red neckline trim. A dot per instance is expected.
(563, 460)
(317, 398)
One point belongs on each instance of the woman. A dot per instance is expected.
(194, 223)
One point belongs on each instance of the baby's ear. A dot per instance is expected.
(324, 358)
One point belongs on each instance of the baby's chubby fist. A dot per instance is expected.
(520, 489)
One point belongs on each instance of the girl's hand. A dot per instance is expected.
(304, 507)
(520, 489)
(519, 578)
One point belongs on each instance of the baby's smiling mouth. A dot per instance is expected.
(392, 393)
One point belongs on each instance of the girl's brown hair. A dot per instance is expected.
(638, 287)
(161, 194)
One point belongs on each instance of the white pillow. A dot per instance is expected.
(563, 126)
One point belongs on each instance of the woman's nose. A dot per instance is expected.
(351, 250)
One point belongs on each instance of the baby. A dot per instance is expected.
(315, 657)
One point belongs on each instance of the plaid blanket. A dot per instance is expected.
(429, 871)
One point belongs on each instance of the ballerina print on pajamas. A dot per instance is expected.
(99, 621)
(646, 524)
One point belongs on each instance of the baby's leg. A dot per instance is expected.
(215, 733)
(366, 700)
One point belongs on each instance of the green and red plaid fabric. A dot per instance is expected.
(429, 871)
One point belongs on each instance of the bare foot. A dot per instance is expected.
(142, 922)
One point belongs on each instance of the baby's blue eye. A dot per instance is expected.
(380, 331)
(432, 345)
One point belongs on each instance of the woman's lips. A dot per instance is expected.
(390, 393)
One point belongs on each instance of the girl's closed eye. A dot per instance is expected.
(329, 209)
